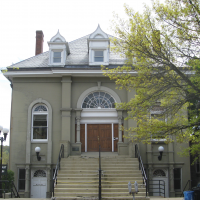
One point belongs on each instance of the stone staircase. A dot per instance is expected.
(79, 179)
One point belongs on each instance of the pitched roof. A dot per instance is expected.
(78, 56)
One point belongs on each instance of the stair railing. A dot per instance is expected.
(9, 186)
(188, 182)
(157, 187)
(14, 191)
(141, 166)
(61, 155)
(99, 172)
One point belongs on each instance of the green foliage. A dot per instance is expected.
(163, 68)
(9, 177)
(6, 150)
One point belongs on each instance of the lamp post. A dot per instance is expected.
(5, 133)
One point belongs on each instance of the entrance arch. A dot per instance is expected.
(98, 119)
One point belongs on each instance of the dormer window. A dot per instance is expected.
(98, 47)
(57, 57)
(58, 50)
(98, 56)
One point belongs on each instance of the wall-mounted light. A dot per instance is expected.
(160, 149)
(37, 150)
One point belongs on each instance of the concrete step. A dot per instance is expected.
(96, 184)
(88, 193)
(104, 198)
(104, 174)
(78, 178)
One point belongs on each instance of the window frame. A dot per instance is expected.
(54, 57)
(32, 120)
(180, 179)
(21, 179)
(95, 56)
(164, 119)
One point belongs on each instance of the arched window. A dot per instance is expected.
(159, 172)
(99, 100)
(40, 122)
(39, 173)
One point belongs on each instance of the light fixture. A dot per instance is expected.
(160, 149)
(2, 139)
(37, 150)
(5, 133)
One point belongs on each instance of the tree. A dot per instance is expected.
(162, 51)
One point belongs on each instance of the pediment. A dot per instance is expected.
(58, 38)
(98, 34)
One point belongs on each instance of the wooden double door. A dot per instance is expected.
(98, 134)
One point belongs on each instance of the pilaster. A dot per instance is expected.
(66, 108)
(27, 182)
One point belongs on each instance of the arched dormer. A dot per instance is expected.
(98, 47)
(58, 50)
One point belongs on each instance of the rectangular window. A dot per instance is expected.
(56, 57)
(197, 166)
(177, 178)
(39, 126)
(21, 179)
(98, 56)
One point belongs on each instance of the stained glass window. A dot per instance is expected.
(40, 108)
(39, 173)
(159, 172)
(99, 100)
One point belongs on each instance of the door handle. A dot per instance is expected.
(98, 138)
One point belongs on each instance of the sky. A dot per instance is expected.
(19, 20)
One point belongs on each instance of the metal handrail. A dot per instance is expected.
(61, 155)
(160, 189)
(13, 188)
(141, 166)
(99, 172)
(189, 181)
(14, 191)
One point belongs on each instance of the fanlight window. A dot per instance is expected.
(39, 173)
(40, 108)
(159, 172)
(98, 100)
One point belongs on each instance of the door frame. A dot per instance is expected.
(39, 179)
(112, 132)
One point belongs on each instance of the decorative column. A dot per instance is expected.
(78, 129)
(48, 194)
(119, 127)
(119, 112)
(171, 169)
(27, 182)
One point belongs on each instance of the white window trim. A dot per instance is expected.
(39, 113)
(29, 123)
(105, 56)
(52, 56)
(157, 140)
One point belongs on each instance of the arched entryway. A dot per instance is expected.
(98, 121)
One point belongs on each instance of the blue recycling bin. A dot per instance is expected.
(188, 195)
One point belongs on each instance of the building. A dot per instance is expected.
(62, 97)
